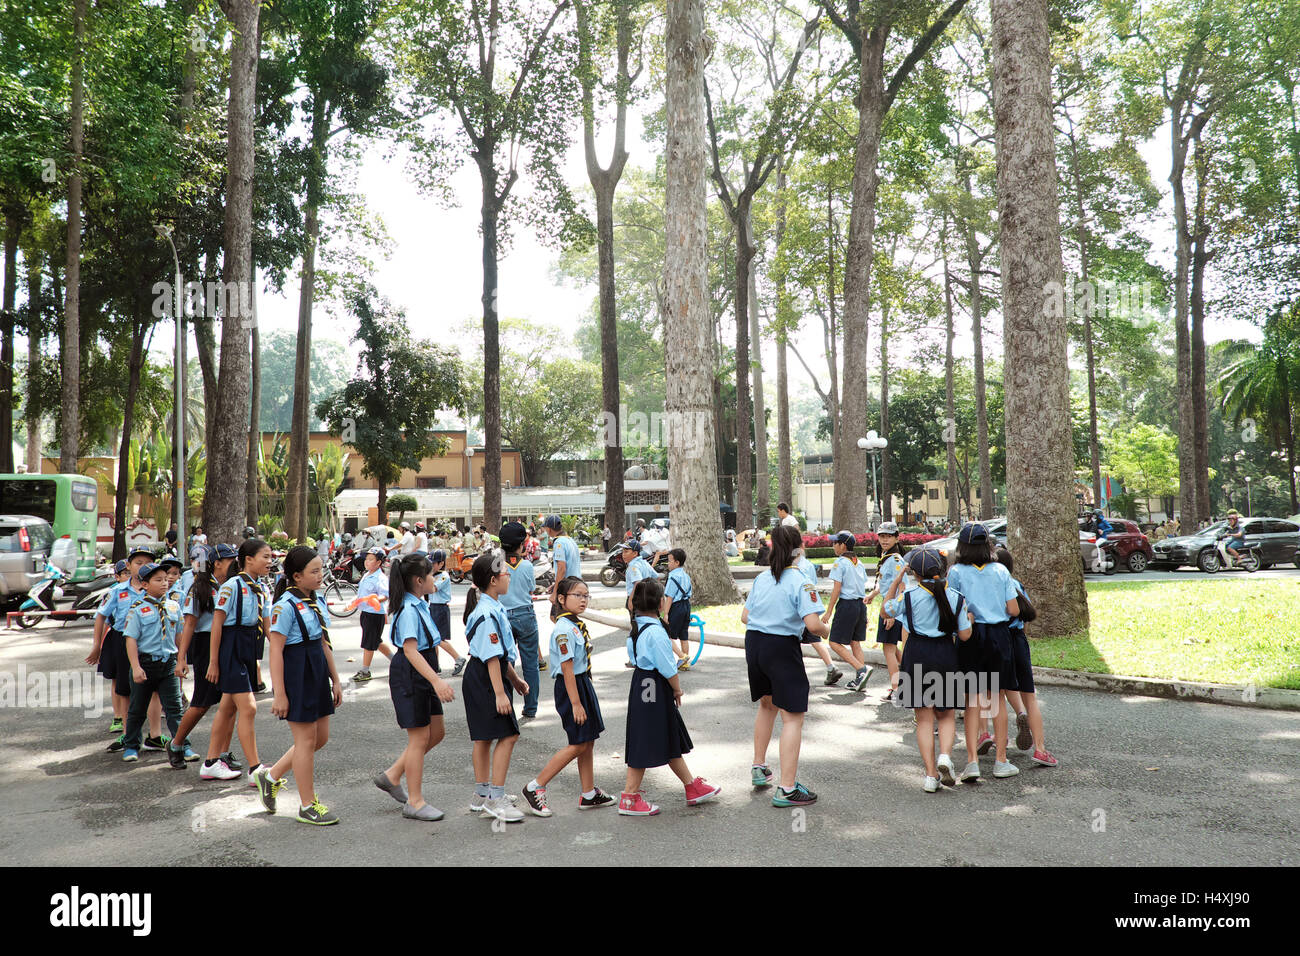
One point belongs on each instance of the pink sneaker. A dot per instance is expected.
(634, 805)
(698, 791)
(1044, 758)
(984, 744)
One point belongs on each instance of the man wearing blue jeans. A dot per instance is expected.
(518, 602)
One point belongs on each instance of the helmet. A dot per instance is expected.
(406, 526)
(347, 538)
(1097, 512)
(419, 526)
(250, 532)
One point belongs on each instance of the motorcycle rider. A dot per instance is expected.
(1235, 534)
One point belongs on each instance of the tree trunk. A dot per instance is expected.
(692, 481)
(383, 500)
(134, 364)
(491, 351)
(1094, 450)
(744, 410)
(1188, 506)
(226, 494)
(295, 493)
(784, 480)
(13, 222)
(973, 262)
(1200, 412)
(1041, 514)
(35, 333)
(70, 421)
(604, 182)
(252, 477)
(887, 506)
(762, 474)
(950, 423)
(850, 461)
(206, 346)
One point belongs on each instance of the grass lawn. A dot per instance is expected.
(869, 562)
(1229, 632)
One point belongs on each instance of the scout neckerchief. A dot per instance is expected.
(309, 598)
(586, 637)
(157, 605)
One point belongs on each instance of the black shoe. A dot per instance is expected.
(230, 760)
(261, 689)
(176, 757)
(601, 799)
(118, 745)
(155, 743)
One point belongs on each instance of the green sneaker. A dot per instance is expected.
(116, 727)
(317, 814)
(800, 796)
(267, 788)
(760, 777)
(118, 745)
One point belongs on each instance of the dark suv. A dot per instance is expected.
(25, 545)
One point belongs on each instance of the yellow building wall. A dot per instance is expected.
(449, 466)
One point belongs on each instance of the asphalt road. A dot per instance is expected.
(1142, 782)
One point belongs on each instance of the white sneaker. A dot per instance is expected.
(252, 774)
(476, 802)
(946, 774)
(219, 771)
(931, 784)
(971, 773)
(1001, 769)
(502, 809)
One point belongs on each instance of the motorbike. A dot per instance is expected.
(46, 594)
(1212, 559)
(459, 564)
(544, 573)
(614, 572)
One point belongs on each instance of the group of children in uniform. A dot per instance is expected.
(953, 638)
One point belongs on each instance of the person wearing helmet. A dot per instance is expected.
(249, 532)
(406, 545)
(1235, 534)
(421, 538)
(931, 615)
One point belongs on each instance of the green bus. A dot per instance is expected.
(70, 503)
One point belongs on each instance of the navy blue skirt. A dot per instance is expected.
(414, 700)
(481, 701)
(307, 682)
(206, 694)
(594, 725)
(679, 620)
(985, 656)
(656, 732)
(929, 675)
(237, 660)
(108, 652)
(441, 614)
(850, 622)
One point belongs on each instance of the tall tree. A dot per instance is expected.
(517, 108)
(868, 29)
(1041, 513)
(226, 496)
(593, 23)
(692, 479)
(70, 420)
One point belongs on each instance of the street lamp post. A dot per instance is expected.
(1248, 514)
(469, 480)
(178, 393)
(873, 445)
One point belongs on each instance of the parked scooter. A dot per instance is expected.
(54, 587)
(614, 572)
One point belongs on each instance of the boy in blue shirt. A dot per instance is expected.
(151, 650)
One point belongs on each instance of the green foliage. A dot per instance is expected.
(400, 503)
(388, 409)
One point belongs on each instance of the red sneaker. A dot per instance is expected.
(698, 791)
(634, 805)
(1044, 758)
(984, 744)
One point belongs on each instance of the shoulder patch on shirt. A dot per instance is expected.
(811, 590)
(564, 646)
(122, 596)
(222, 599)
(275, 616)
(494, 638)
(144, 610)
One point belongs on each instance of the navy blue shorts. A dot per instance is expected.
(372, 630)
(928, 674)
(441, 614)
(850, 622)
(594, 725)
(775, 663)
(307, 682)
(1020, 663)
(888, 635)
(414, 700)
(679, 620)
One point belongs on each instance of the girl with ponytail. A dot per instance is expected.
(933, 618)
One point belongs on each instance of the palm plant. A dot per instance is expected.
(1262, 382)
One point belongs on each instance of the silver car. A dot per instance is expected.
(997, 529)
(25, 545)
